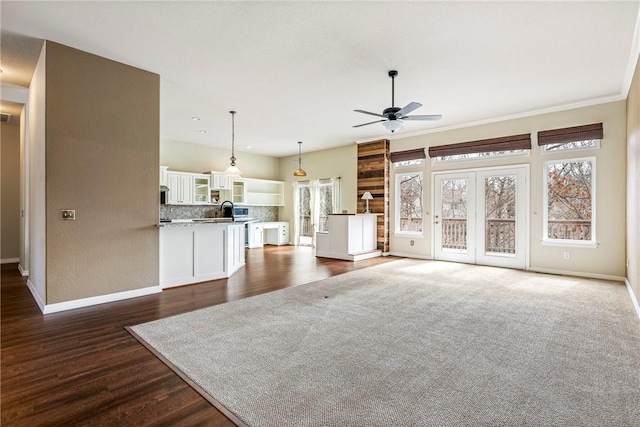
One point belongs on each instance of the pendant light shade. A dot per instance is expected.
(300, 171)
(232, 170)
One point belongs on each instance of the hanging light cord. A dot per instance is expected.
(233, 138)
(299, 155)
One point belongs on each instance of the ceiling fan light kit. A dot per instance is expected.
(393, 117)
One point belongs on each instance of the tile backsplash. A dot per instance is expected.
(260, 213)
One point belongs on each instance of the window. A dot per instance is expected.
(409, 205)
(493, 147)
(574, 145)
(325, 193)
(408, 163)
(305, 226)
(457, 157)
(408, 158)
(569, 201)
(572, 138)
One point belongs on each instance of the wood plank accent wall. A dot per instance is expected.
(373, 176)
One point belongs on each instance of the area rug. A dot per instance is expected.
(415, 343)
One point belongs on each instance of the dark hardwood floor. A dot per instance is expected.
(81, 367)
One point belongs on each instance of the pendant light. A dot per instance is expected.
(232, 170)
(300, 171)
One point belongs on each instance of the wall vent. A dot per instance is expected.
(4, 118)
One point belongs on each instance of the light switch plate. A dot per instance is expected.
(68, 214)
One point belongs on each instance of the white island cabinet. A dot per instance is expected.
(349, 237)
(191, 253)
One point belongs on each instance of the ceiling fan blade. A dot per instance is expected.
(370, 123)
(408, 108)
(423, 117)
(367, 112)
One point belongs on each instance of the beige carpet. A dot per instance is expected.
(415, 343)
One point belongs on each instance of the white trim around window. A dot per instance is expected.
(398, 177)
(546, 240)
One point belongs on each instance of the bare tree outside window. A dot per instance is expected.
(569, 200)
(454, 213)
(410, 191)
(576, 145)
(325, 192)
(500, 214)
(304, 194)
(455, 157)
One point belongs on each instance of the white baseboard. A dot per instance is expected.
(86, 302)
(35, 295)
(9, 260)
(22, 271)
(400, 254)
(577, 274)
(634, 300)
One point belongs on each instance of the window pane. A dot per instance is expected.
(407, 163)
(576, 145)
(304, 194)
(569, 207)
(326, 203)
(454, 214)
(500, 214)
(479, 155)
(410, 202)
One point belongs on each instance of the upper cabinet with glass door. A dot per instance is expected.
(188, 188)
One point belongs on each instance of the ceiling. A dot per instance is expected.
(295, 71)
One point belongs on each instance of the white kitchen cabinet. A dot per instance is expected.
(349, 237)
(219, 181)
(275, 233)
(255, 231)
(163, 175)
(188, 188)
(201, 189)
(237, 191)
(200, 252)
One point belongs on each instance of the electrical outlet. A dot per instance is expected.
(68, 214)
(566, 255)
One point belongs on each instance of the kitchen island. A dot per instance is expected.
(193, 251)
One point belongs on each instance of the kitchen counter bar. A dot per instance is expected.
(199, 251)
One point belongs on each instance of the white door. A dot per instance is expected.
(454, 217)
(480, 217)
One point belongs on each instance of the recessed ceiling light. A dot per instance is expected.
(202, 131)
(194, 118)
(248, 147)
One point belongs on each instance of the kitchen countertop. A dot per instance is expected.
(197, 221)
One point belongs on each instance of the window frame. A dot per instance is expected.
(513, 153)
(397, 231)
(546, 240)
(596, 146)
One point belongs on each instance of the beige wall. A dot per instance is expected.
(337, 162)
(102, 156)
(189, 157)
(633, 183)
(608, 259)
(10, 192)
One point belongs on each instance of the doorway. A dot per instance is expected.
(479, 217)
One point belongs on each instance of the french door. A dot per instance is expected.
(480, 217)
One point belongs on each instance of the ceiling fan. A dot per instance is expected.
(393, 117)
